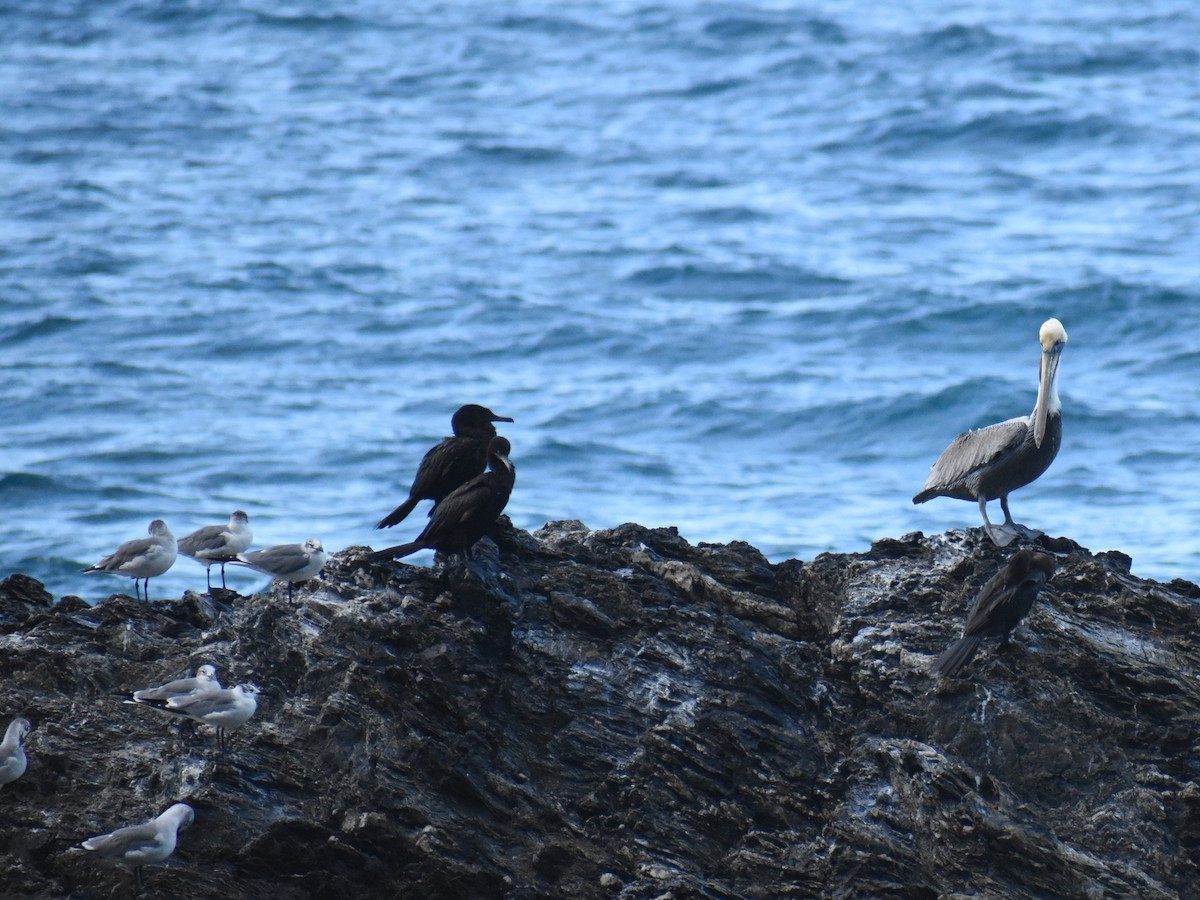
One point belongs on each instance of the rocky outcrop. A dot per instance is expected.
(622, 714)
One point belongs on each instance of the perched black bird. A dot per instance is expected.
(1003, 602)
(462, 518)
(452, 463)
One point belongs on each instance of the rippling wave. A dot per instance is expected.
(741, 269)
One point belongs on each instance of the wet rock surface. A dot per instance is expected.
(622, 714)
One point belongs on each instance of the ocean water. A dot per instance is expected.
(743, 268)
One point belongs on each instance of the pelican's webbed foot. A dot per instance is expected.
(1001, 535)
(1029, 534)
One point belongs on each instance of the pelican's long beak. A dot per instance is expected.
(1046, 390)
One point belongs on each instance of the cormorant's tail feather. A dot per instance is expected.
(399, 514)
(957, 655)
(926, 495)
(397, 551)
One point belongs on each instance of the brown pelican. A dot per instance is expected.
(462, 518)
(994, 461)
(453, 462)
(1003, 602)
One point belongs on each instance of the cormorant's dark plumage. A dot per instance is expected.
(463, 517)
(1003, 602)
(453, 462)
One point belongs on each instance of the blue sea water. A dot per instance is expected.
(743, 268)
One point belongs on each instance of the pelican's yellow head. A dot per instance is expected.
(1053, 337)
(1052, 334)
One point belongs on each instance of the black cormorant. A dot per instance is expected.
(453, 462)
(463, 517)
(1003, 602)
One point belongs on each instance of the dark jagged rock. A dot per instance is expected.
(622, 714)
(22, 597)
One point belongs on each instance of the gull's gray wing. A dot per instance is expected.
(208, 538)
(173, 689)
(126, 553)
(203, 703)
(279, 561)
(130, 839)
